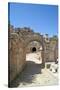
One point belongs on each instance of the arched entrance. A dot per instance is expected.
(35, 52)
(34, 49)
(30, 40)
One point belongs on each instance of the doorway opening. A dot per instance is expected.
(34, 49)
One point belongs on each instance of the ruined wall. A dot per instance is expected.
(17, 55)
(56, 52)
(19, 46)
(51, 51)
(46, 56)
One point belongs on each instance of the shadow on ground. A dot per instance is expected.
(27, 75)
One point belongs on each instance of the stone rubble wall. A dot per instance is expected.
(17, 56)
(51, 51)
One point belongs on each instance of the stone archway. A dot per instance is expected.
(35, 54)
(39, 39)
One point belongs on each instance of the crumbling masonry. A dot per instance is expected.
(24, 40)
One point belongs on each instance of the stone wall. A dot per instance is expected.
(56, 52)
(51, 51)
(17, 55)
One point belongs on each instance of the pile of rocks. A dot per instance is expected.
(54, 67)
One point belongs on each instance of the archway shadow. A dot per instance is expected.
(27, 75)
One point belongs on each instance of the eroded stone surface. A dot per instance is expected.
(19, 43)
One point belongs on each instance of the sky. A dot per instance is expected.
(40, 18)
